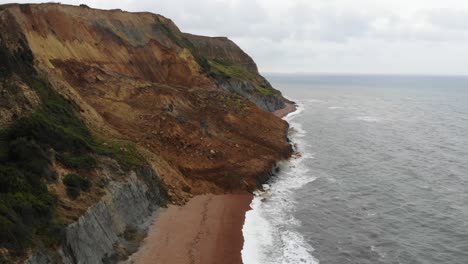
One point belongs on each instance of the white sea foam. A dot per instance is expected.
(269, 230)
(368, 119)
(315, 101)
(299, 110)
(335, 107)
(257, 233)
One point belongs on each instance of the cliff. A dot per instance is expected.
(108, 115)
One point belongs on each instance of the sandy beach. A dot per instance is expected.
(208, 229)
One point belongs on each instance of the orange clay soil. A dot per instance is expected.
(207, 134)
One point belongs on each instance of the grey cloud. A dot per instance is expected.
(341, 28)
(391, 36)
(449, 19)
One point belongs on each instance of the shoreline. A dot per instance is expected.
(208, 229)
(289, 108)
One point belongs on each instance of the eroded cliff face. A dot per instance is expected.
(140, 46)
(131, 70)
(81, 86)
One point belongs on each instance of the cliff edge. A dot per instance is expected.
(106, 113)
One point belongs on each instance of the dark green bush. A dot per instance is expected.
(14, 235)
(81, 162)
(17, 61)
(57, 134)
(29, 155)
(75, 184)
(12, 180)
(51, 175)
(20, 214)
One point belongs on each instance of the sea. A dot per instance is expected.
(380, 174)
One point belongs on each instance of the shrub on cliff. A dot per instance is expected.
(25, 202)
(29, 155)
(78, 162)
(75, 184)
(25, 205)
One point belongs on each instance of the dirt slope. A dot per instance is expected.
(138, 78)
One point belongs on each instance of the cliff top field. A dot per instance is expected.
(88, 96)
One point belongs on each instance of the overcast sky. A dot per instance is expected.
(327, 36)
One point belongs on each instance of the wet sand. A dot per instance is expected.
(208, 229)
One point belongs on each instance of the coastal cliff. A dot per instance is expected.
(235, 71)
(107, 115)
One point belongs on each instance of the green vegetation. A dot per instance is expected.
(57, 126)
(25, 203)
(127, 156)
(78, 162)
(27, 148)
(26, 206)
(265, 91)
(223, 69)
(18, 61)
(76, 184)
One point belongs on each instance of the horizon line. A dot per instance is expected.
(362, 74)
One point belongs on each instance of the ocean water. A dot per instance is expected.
(381, 174)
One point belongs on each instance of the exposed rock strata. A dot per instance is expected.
(112, 228)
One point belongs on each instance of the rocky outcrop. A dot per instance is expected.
(111, 229)
(247, 89)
